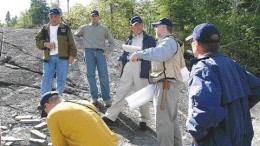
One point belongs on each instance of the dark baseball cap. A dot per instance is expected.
(45, 99)
(205, 33)
(164, 21)
(54, 11)
(136, 19)
(94, 12)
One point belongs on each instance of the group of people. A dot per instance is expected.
(219, 88)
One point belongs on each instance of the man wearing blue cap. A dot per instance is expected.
(57, 42)
(134, 75)
(94, 36)
(75, 122)
(166, 63)
(220, 92)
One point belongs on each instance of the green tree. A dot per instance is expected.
(24, 20)
(38, 12)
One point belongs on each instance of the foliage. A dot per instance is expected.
(24, 20)
(38, 12)
(237, 20)
(10, 22)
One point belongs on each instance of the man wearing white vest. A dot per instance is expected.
(166, 61)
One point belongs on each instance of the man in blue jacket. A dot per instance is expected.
(134, 74)
(219, 93)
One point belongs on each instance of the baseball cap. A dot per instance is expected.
(164, 21)
(45, 99)
(54, 11)
(205, 33)
(136, 19)
(94, 12)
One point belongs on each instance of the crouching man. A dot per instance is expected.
(75, 122)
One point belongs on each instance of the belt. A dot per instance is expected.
(136, 60)
(95, 49)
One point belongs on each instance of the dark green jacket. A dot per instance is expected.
(66, 43)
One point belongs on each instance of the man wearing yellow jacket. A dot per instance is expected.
(75, 122)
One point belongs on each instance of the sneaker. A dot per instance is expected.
(107, 120)
(142, 126)
(108, 103)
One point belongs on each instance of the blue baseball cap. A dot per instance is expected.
(45, 99)
(54, 11)
(94, 12)
(164, 21)
(135, 19)
(205, 33)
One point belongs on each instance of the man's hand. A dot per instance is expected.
(119, 64)
(50, 45)
(133, 57)
(194, 141)
(106, 54)
(71, 59)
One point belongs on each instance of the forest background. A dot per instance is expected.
(237, 20)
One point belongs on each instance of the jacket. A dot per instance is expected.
(77, 123)
(148, 42)
(66, 43)
(219, 112)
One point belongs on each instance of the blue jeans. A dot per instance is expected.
(96, 59)
(58, 66)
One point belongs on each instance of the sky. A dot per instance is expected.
(15, 7)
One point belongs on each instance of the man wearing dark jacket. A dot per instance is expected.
(219, 94)
(55, 39)
(134, 74)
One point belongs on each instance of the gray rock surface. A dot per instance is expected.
(20, 77)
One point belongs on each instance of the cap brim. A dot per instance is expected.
(135, 23)
(155, 24)
(188, 38)
(94, 14)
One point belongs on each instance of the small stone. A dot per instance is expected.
(18, 118)
(38, 134)
(40, 126)
(37, 141)
(30, 121)
(11, 139)
(4, 128)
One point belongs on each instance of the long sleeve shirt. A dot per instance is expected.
(72, 124)
(96, 36)
(166, 48)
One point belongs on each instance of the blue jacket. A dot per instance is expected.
(219, 112)
(148, 42)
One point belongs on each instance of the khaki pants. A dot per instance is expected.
(167, 125)
(130, 80)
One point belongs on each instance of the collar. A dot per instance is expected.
(139, 35)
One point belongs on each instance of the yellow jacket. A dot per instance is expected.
(72, 124)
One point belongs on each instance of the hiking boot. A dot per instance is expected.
(107, 120)
(142, 126)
